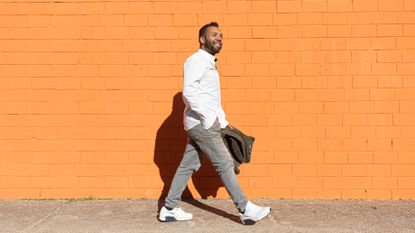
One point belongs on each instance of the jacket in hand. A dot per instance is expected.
(239, 145)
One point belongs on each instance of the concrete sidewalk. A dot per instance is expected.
(212, 215)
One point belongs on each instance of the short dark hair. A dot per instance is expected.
(202, 30)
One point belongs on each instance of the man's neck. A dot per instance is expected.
(210, 52)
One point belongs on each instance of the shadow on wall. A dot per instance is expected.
(169, 147)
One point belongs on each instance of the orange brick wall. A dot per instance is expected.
(90, 103)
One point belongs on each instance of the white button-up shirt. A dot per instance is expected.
(201, 92)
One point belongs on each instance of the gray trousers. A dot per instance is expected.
(209, 142)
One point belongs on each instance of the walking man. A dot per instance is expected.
(203, 120)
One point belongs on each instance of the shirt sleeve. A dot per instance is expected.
(193, 73)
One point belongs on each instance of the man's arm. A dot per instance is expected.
(193, 72)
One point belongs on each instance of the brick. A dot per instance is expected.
(285, 19)
(339, 5)
(407, 132)
(236, 20)
(380, 144)
(384, 69)
(361, 107)
(339, 31)
(288, 6)
(279, 120)
(389, 30)
(256, 170)
(314, 31)
(379, 170)
(184, 20)
(314, 6)
(362, 18)
(281, 145)
(402, 194)
(335, 157)
(357, 94)
(385, 157)
(236, 7)
(405, 43)
(264, 57)
(333, 69)
(352, 170)
(311, 107)
(359, 183)
(236, 107)
(260, 19)
(290, 31)
(309, 18)
(379, 194)
(385, 5)
(304, 170)
(406, 182)
(405, 68)
(263, 7)
(334, 182)
(406, 17)
(402, 145)
(388, 132)
(408, 5)
(214, 6)
(385, 183)
(207, 18)
(333, 144)
(403, 119)
(329, 170)
(330, 120)
(362, 5)
(165, 7)
(240, 32)
(257, 45)
(310, 182)
(333, 44)
(264, 32)
(389, 56)
(409, 30)
(140, 7)
(364, 30)
(306, 69)
(309, 145)
(386, 107)
(385, 18)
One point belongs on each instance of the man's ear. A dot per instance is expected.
(202, 39)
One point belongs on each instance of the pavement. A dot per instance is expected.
(209, 215)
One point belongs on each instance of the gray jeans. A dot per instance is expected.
(209, 142)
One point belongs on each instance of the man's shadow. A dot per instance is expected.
(169, 147)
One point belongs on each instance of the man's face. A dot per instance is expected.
(212, 40)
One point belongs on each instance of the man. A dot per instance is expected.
(203, 120)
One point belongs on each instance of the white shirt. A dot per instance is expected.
(201, 92)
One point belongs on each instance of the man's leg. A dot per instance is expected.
(211, 143)
(190, 163)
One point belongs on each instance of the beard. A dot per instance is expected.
(213, 47)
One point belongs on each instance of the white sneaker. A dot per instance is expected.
(176, 214)
(253, 213)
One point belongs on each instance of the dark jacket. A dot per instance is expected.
(239, 145)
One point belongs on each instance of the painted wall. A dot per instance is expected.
(90, 102)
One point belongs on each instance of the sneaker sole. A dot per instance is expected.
(248, 222)
(168, 219)
(252, 222)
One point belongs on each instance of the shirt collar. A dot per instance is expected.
(208, 56)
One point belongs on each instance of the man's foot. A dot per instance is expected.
(176, 214)
(253, 213)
